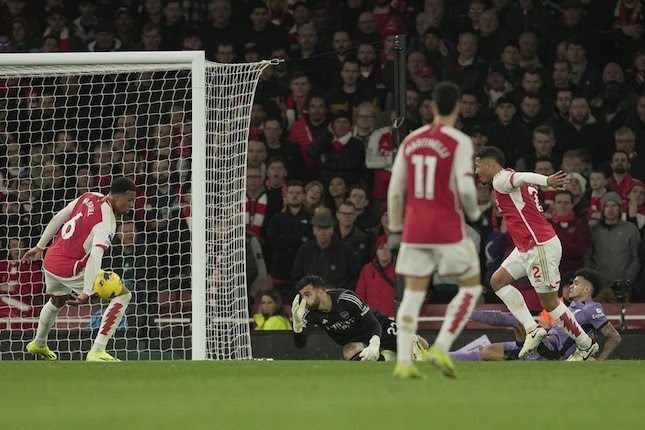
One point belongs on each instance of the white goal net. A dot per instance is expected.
(178, 127)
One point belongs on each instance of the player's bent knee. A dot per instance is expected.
(351, 350)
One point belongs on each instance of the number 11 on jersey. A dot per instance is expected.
(424, 165)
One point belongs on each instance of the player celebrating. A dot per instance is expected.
(556, 345)
(537, 251)
(87, 226)
(364, 332)
(433, 170)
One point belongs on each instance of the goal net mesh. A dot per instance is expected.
(66, 130)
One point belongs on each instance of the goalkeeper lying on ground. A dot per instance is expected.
(364, 333)
(556, 345)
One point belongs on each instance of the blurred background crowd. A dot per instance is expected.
(554, 84)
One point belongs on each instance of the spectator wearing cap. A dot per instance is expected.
(543, 146)
(434, 49)
(339, 153)
(465, 69)
(104, 40)
(377, 284)
(84, 26)
(326, 256)
(287, 231)
(509, 65)
(614, 243)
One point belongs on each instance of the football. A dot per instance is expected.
(107, 284)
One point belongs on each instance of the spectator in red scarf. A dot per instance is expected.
(572, 231)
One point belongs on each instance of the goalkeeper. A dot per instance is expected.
(86, 226)
(364, 333)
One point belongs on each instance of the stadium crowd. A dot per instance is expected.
(554, 84)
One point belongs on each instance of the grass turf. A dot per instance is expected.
(330, 395)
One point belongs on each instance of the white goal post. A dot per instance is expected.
(178, 125)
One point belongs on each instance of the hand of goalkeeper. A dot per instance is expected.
(297, 312)
(372, 351)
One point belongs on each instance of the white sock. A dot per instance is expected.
(515, 303)
(407, 319)
(110, 321)
(45, 322)
(567, 321)
(457, 315)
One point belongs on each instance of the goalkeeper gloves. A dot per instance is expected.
(298, 311)
(372, 351)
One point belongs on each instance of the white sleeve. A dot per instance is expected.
(92, 268)
(506, 180)
(465, 177)
(55, 224)
(396, 191)
(373, 158)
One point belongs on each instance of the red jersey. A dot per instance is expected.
(91, 223)
(518, 200)
(435, 167)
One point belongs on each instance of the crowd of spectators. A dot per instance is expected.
(554, 84)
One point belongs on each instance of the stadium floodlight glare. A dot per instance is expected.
(178, 125)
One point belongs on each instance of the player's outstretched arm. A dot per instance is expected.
(612, 341)
(298, 308)
(52, 228)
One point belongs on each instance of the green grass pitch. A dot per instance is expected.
(330, 395)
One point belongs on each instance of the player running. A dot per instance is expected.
(537, 251)
(433, 175)
(364, 333)
(86, 226)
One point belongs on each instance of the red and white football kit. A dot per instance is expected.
(87, 222)
(434, 170)
(537, 250)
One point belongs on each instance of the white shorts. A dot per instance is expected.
(456, 259)
(57, 286)
(541, 264)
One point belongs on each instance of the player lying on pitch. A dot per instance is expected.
(364, 333)
(556, 345)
